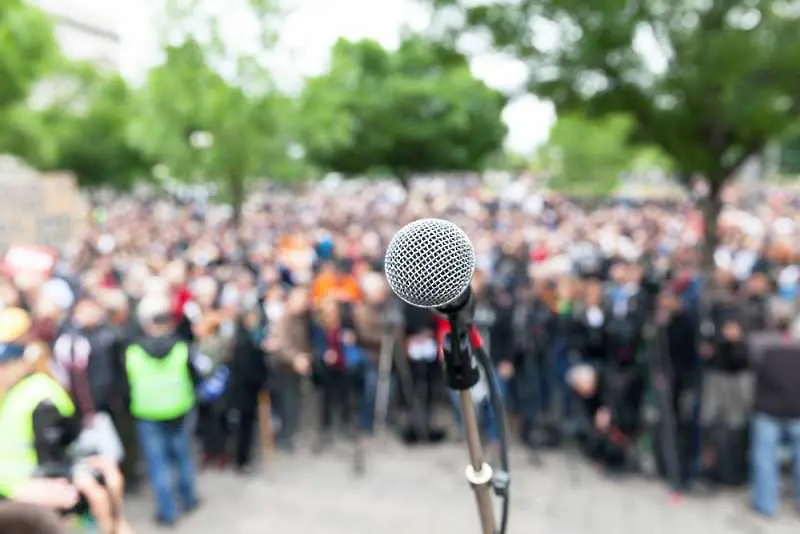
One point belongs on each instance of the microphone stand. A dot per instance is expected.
(461, 369)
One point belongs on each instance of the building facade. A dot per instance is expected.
(86, 30)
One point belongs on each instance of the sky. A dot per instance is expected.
(311, 28)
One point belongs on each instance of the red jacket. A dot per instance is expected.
(181, 297)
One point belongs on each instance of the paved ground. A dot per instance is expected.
(421, 490)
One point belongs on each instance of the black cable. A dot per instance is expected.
(496, 398)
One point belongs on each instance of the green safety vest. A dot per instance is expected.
(18, 459)
(161, 388)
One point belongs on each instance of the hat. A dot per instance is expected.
(59, 293)
(14, 324)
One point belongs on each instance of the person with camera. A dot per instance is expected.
(37, 425)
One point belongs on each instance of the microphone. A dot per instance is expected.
(430, 263)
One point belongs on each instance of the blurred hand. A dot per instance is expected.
(732, 332)
(602, 419)
(505, 370)
(100, 501)
(53, 493)
(301, 364)
(114, 482)
(330, 357)
(706, 350)
(270, 344)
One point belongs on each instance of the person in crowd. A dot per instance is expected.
(30, 398)
(249, 376)
(556, 397)
(123, 327)
(210, 342)
(775, 356)
(338, 373)
(726, 395)
(335, 280)
(38, 423)
(675, 367)
(85, 352)
(624, 375)
(161, 374)
(421, 328)
(534, 323)
(369, 321)
(289, 347)
(175, 276)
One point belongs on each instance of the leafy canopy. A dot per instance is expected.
(92, 138)
(708, 81)
(27, 50)
(244, 116)
(416, 109)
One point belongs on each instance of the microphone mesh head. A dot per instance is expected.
(429, 263)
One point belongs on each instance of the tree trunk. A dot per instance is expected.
(237, 192)
(405, 180)
(712, 207)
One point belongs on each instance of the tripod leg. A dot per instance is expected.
(669, 444)
(382, 390)
(353, 396)
(407, 386)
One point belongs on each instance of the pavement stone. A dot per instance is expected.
(421, 490)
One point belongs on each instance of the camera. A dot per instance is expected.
(69, 472)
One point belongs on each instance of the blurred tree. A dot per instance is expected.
(506, 160)
(418, 109)
(27, 50)
(92, 137)
(709, 82)
(589, 157)
(210, 111)
(789, 155)
(80, 125)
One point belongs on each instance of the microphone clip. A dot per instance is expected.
(460, 365)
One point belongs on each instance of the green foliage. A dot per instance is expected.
(27, 50)
(415, 110)
(81, 128)
(789, 155)
(590, 157)
(92, 137)
(246, 119)
(726, 86)
(184, 96)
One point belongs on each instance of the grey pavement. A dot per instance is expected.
(422, 490)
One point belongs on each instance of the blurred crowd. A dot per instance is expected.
(181, 322)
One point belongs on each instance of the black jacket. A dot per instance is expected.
(776, 359)
(100, 368)
(249, 372)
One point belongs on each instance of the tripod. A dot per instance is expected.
(463, 351)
